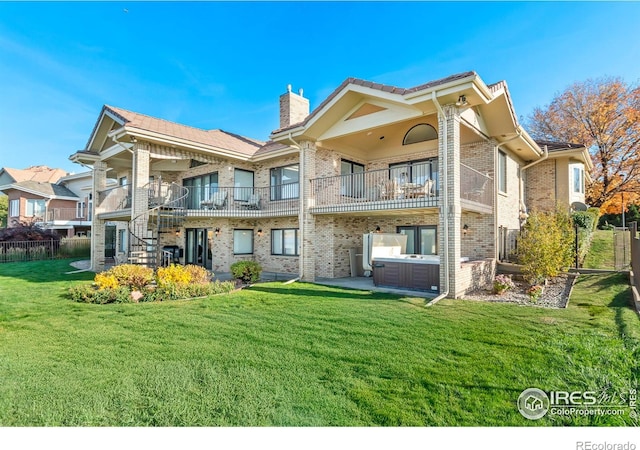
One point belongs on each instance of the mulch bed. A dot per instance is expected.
(555, 294)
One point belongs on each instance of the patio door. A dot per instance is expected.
(110, 241)
(421, 239)
(199, 248)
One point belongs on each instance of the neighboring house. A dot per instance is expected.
(444, 163)
(63, 205)
(43, 174)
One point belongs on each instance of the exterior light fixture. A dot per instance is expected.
(260, 233)
(217, 231)
(378, 230)
(462, 101)
(465, 229)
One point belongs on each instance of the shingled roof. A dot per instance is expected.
(377, 86)
(35, 173)
(44, 189)
(558, 146)
(215, 138)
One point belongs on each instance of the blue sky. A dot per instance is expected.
(224, 65)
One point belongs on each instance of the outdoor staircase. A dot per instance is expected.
(148, 230)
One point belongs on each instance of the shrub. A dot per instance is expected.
(247, 271)
(199, 275)
(173, 275)
(546, 245)
(534, 293)
(132, 275)
(502, 283)
(106, 280)
(87, 294)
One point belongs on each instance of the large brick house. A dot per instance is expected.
(50, 198)
(446, 163)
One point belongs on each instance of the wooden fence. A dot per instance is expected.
(17, 251)
(635, 253)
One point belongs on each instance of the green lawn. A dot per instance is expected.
(301, 354)
(600, 255)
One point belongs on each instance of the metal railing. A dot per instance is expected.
(21, 251)
(65, 214)
(114, 199)
(391, 188)
(475, 186)
(282, 199)
(508, 244)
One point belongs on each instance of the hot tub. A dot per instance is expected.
(419, 272)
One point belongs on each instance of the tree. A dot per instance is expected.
(604, 115)
(4, 208)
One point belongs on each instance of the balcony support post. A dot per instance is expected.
(97, 226)
(306, 220)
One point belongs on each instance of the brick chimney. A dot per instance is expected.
(294, 108)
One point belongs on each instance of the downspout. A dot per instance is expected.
(445, 202)
(545, 155)
(300, 207)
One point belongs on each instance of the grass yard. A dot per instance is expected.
(301, 354)
(600, 254)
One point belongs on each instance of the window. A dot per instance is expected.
(285, 182)
(420, 133)
(578, 180)
(352, 183)
(285, 242)
(502, 171)
(421, 239)
(35, 208)
(415, 171)
(14, 208)
(122, 181)
(122, 241)
(201, 189)
(243, 184)
(80, 209)
(242, 242)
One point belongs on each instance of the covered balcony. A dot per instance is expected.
(397, 188)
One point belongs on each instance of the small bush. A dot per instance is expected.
(546, 245)
(106, 281)
(502, 283)
(87, 294)
(199, 275)
(132, 276)
(173, 275)
(247, 271)
(534, 293)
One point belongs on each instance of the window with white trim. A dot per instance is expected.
(242, 242)
(122, 241)
(285, 242)
(243, 184)
(578, 180)
(14, 208)
(35, 207)
(80, 209)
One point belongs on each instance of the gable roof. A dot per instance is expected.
(215, 138)
(49, 190)
(377, 86)
(559, 146)
(35, 173)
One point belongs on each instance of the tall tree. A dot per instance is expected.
(604, 115)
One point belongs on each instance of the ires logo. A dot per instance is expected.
(534, 403)
(577, 398)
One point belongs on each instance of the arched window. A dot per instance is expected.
(420, 133)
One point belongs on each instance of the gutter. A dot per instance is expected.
(445, 202)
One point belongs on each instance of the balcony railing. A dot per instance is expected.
(66, 215)
(392, 188)
(282, 199)
(114, 199)
(475, 187)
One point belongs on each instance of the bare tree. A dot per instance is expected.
(604, 115)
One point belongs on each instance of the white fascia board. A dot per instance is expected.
(184, 143)
(370, 121)
(31, 191)
(112, 151)
(275, 154)
(445, 88)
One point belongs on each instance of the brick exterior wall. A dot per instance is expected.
(541, 186)
(98, 226)
(508, 203)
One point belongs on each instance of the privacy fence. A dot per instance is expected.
(635, 253)
(16, 251)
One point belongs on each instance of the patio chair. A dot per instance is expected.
(253, 202)
(429, 190)
(390, 190)
(219, 199)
